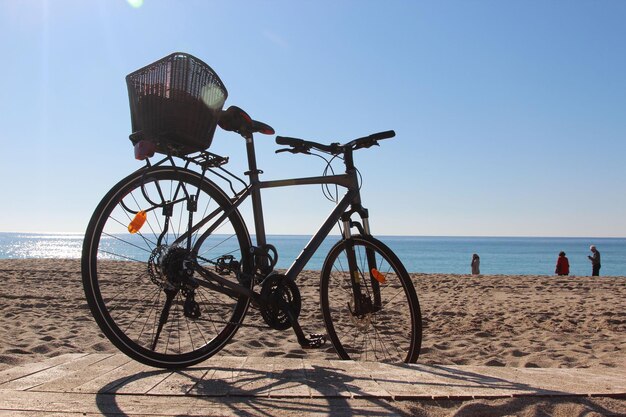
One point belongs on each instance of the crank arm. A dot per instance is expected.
(310, 341)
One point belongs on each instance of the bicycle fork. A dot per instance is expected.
(365, 283)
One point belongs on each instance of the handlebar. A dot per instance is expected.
(304, 146)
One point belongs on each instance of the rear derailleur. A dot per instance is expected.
(171, 268)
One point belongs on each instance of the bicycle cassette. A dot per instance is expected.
(282, 295)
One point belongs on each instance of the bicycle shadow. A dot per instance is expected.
(311, 389)
(264, 393)
(457, 380)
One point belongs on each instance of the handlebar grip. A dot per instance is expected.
(383, 135)
(302, 144)
(285, 140)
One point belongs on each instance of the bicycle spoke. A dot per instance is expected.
(113, 298)
(156, 298)
(126, 242)
(209, 310)
(209, 249)
(130, 308)
(163, 318)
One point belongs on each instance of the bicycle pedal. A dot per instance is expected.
(314, 341)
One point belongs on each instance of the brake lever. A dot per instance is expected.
(295, 150)
(367, 144)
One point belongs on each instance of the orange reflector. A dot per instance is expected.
(138, 221)
(378, 276)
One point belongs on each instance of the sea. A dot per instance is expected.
(425, 254)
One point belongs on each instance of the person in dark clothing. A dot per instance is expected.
(475, 264)
(595, 261)
(562, 265)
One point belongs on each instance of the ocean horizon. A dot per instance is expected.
(420, 254)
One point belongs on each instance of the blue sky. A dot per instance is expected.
(510, 116)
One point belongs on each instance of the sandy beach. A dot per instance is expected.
(514, 321)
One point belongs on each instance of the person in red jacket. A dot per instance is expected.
(562, 265)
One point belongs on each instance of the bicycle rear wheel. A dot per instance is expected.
(142, 288)
(390, 327)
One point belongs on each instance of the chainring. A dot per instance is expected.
(281, 293)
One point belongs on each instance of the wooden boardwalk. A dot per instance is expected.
(112, 384)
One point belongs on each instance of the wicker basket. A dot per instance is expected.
(175, 103)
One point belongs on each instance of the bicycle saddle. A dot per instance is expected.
(234, 119)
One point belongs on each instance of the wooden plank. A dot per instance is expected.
(217, 381)
(254, 378)
(289, 379)
(35, 404)
(68, 382)
(101, 404)
(179, 382)
(449, 382)
(359, 380)
(558, 381)
(142, 382)
(324, 380)
(400, 380)
(109, 381)
(31, 368)
(51, 373)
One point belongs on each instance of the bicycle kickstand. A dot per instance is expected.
(311, 341)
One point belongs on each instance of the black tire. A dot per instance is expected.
(391, 334)
(126, 287)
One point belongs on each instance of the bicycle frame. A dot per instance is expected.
(352, 198)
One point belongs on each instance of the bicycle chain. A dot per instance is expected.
(254, 326)
(154, 272)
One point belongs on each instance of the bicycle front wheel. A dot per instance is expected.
(142, 288)
(388, 326)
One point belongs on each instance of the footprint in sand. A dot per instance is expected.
(531, 365)
(255, 344)
(18, 351)
(41, 349)
(518, 353)
(100, 347)
(495, 362)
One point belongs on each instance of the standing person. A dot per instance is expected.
(475, 264)
(595, 261)
(562, 265)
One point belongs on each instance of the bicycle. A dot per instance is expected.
(169, 268)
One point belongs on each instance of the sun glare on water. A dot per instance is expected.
(135, 3)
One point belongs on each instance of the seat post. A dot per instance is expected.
(257, 206)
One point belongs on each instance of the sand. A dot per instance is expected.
(515, 321)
